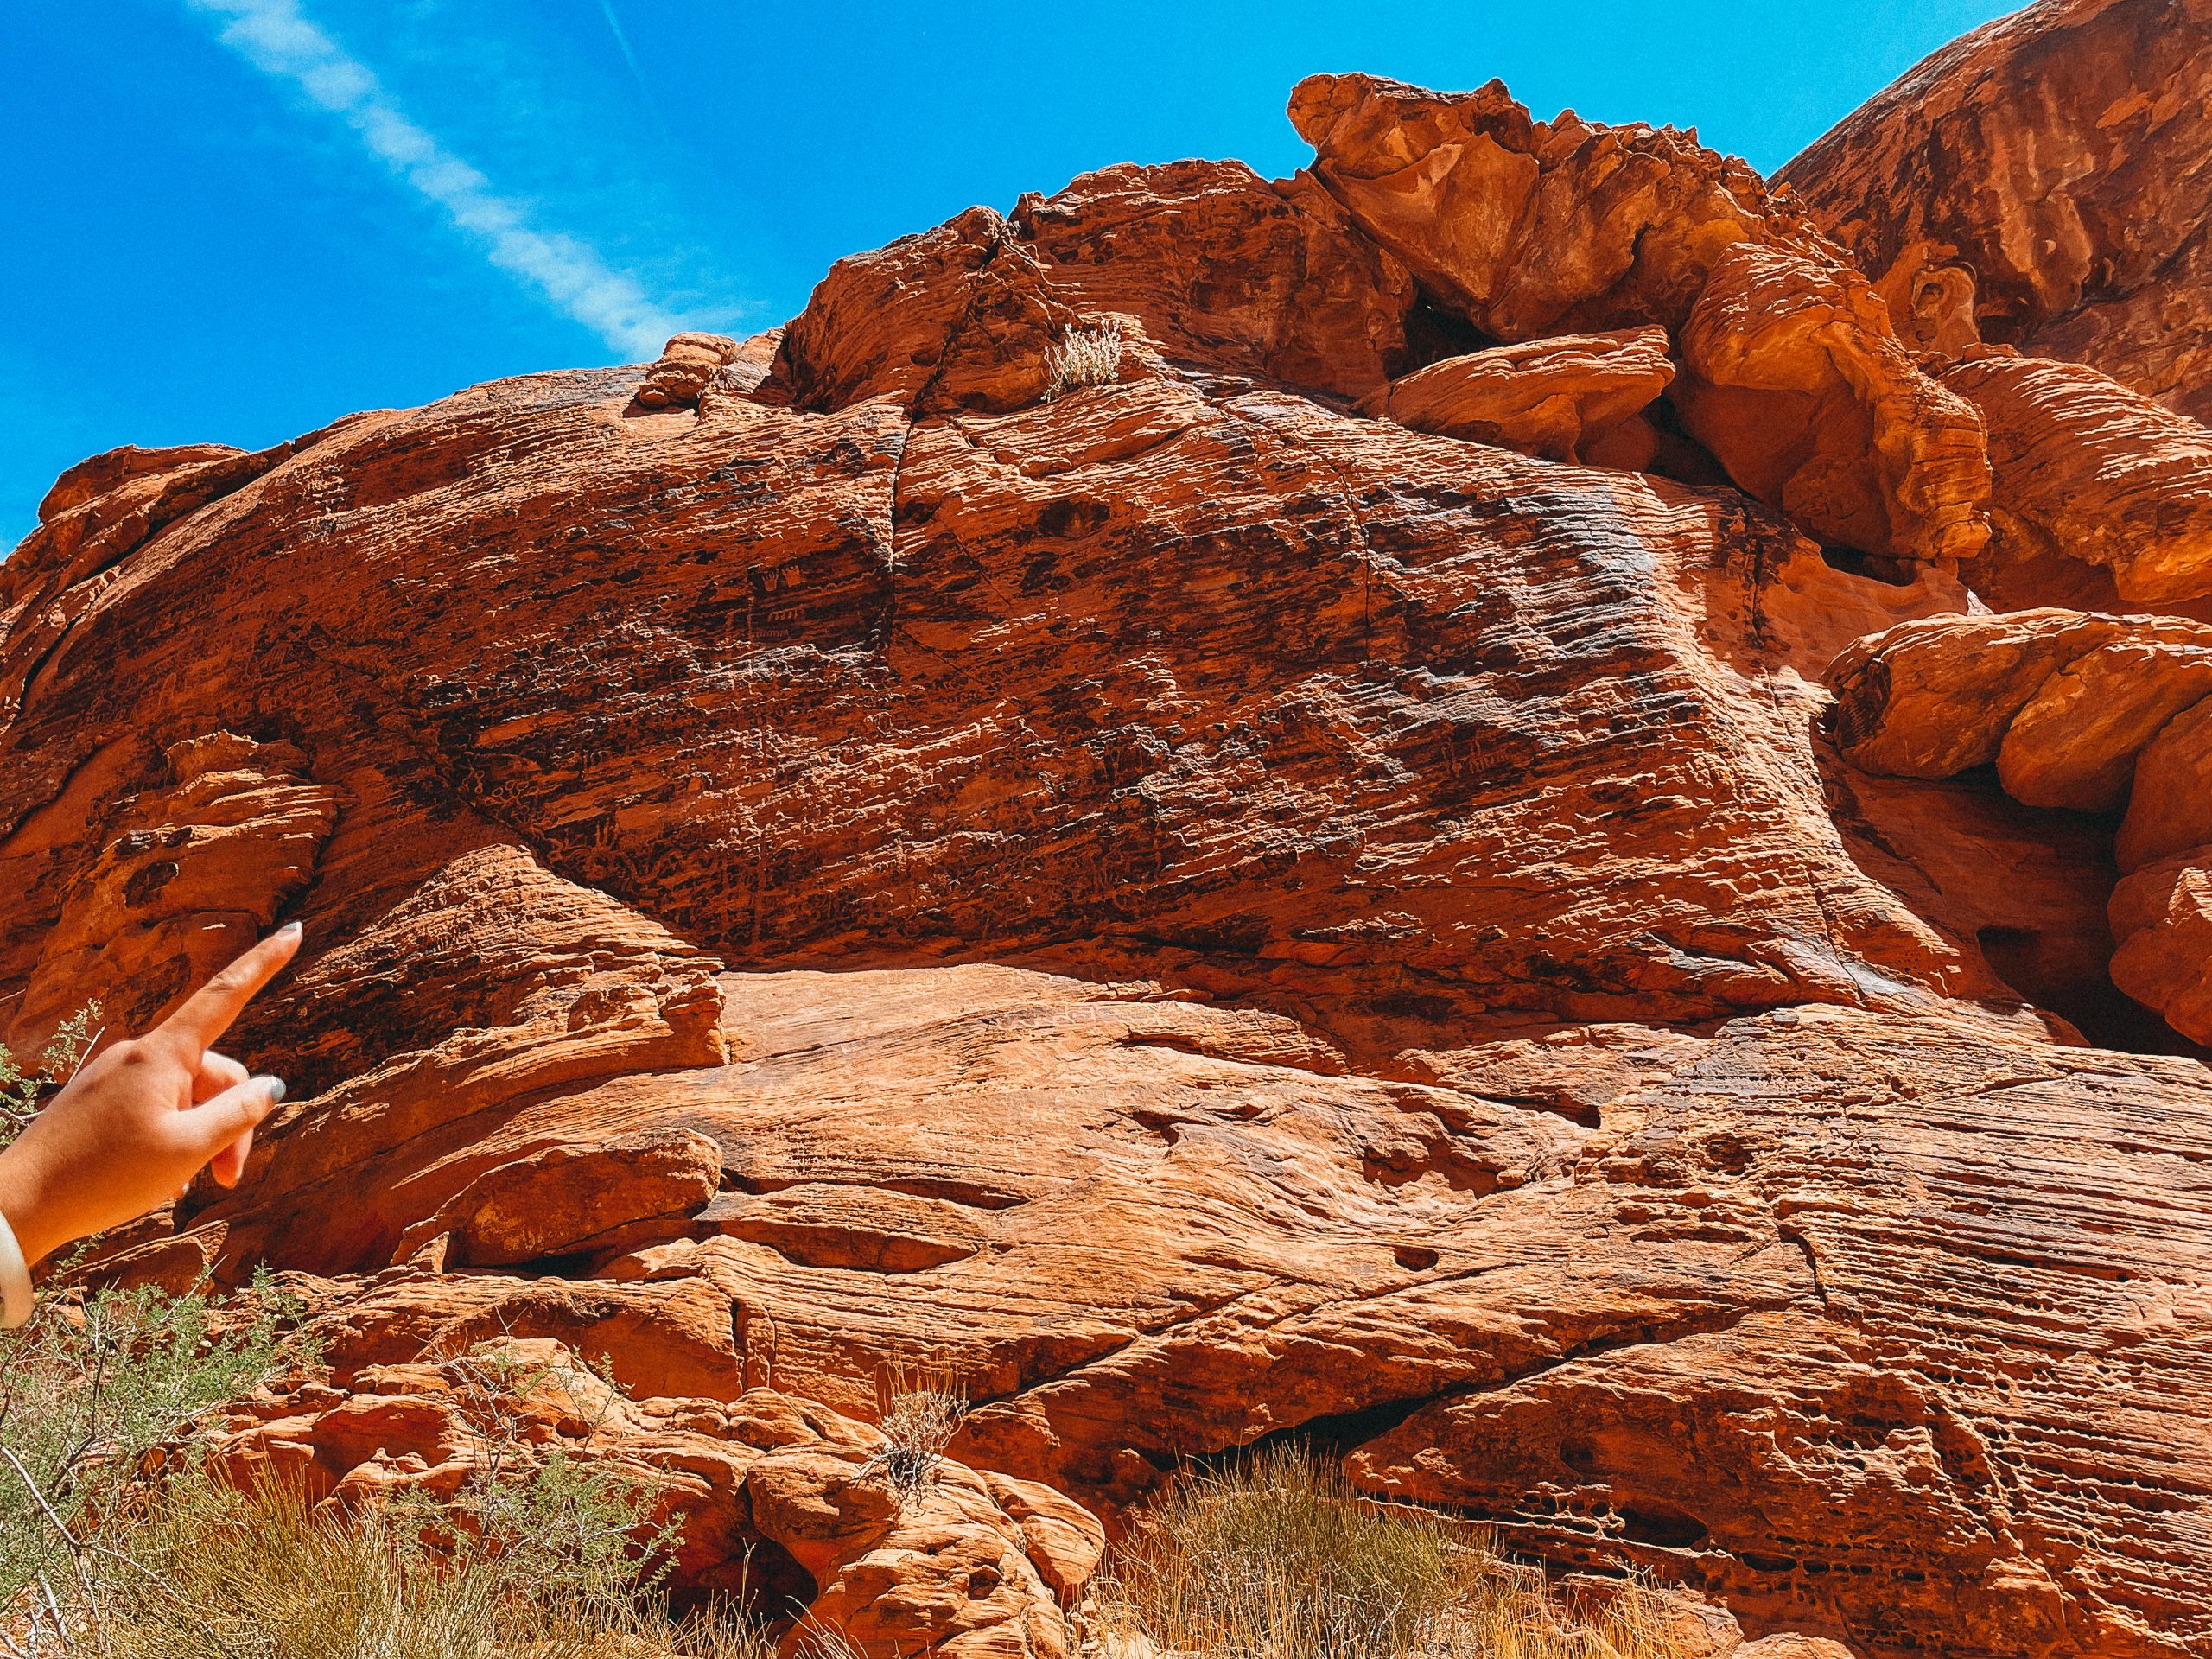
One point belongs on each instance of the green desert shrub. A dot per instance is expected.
(95, 1397)
(22, 1093)
(118, 1543)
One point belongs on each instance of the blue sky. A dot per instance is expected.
(237, 219)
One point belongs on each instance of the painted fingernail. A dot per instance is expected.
(292, 928)
(275, 1086)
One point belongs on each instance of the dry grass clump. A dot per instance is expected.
(229, 1575)
(1278, 1557)
(1084, 357)
(919, 1412)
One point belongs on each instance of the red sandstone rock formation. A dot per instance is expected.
(2094, 714)
(1578, 398)
(1204, 913)
(2102, 500)
(1795, 380)
(1792, 377)
(2041, 182)
(778, 1495)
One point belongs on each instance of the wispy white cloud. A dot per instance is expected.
(279, 40)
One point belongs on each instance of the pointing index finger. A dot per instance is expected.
(207, 1012)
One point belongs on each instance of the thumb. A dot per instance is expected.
(230, 1163)
(231, 1114)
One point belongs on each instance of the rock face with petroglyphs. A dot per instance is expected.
(1433, 854)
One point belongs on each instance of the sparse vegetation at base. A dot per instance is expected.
(117, 1542)
(234, 1576)
(1277, 1557)
(1084, 357)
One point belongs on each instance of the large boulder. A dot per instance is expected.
(2102, 500)
(1576, 397)
(2091, 714)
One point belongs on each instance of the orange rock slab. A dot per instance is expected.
(1529, 228)
(2088, 473)
(1579, 397)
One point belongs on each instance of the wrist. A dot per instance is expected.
(24, 1205)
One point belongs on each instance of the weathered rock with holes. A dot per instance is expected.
(156, 865)
(1527, 227)
(567, 1197)
(1793, 377)
(2041, 182)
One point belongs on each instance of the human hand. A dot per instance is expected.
(141, 1118)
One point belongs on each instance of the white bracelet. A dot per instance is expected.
(14, 1280)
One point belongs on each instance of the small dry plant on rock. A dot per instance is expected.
(1084, 357)
(919, 1412)
(1277, 1557)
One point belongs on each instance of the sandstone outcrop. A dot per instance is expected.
(2094, 714)
(1223, 269)
(1529, 227)
(1577, 397)
(2102, 500)
(2040, 183)
(1779, 1322)
(687, 363)
(1203, 913)
(1793, 377)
